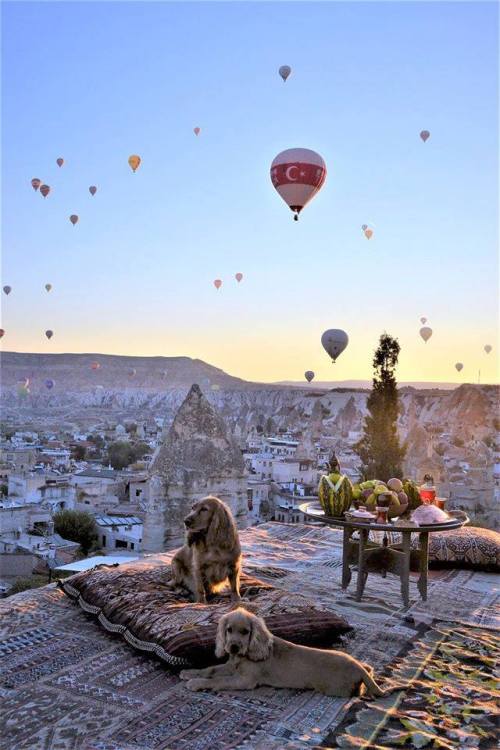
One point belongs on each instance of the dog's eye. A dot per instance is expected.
(229, 630)
(244, 631)
(203, 508)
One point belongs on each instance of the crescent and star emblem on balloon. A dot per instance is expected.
(288, 173)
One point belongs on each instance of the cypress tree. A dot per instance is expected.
(379, 448)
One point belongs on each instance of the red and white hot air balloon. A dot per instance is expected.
(197, 131)
(298, 174)
(217, 283)
(238, 277)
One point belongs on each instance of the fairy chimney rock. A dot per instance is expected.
(197, 457)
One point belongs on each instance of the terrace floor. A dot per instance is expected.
(65, 683)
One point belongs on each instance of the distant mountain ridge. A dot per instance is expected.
(366, 384)
(73, 372)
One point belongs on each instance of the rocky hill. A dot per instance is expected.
(143, 387)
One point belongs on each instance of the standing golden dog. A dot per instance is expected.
(212, 553)
(257, 657)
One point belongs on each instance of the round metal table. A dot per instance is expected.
(370, 556)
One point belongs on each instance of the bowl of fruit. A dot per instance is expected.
(393, 495)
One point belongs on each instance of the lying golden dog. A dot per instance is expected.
(256, 657)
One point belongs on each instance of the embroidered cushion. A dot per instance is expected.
(133, 600)
(469, 546)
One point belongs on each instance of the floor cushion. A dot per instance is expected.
(133, 600)
(468, 547)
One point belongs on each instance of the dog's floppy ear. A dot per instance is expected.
(261, 640)
(221, 529)
(220, 638)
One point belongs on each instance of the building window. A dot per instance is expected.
(138, 493)
(132, 545)
(103, 541)
(120, 544)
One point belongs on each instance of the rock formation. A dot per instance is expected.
(197, 457)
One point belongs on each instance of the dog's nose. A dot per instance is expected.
(234, 648)
(188, 521)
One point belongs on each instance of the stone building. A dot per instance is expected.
(197, 456)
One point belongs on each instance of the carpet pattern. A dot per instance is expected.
(453, 701)
(65, 684)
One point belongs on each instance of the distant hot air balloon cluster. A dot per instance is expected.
(218, 282)
(367, 231)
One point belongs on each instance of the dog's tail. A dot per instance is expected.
(374, 690)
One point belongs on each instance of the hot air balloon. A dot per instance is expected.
(35, 183)
(45, 190)
(134, 161)
(423, 321)
(426, 333)
(48, 287)
(364, 227)
(7, 289)
(95, 365)
(197, 131)
(368, 233)
(92, 190)
(488, 348)
(217, 283)
(132, 372)
(49, 334)
(424, 134)
(238, 277)
(73, 219)
(164, 373)
(285, 71)
(59, 162)
(459, 366)
(49, 384)
(298, 174)
(334, 342)
(2, 333)
(309, 375)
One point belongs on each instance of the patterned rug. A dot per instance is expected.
(453, 701)
(65, 684)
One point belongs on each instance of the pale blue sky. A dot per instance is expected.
(94, 82)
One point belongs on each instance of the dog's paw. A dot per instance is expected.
(198, 684)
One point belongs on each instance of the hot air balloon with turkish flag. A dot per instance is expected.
(298, 174)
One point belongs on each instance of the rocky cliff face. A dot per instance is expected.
(197, 457)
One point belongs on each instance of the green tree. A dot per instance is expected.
(122, 453)
(379, 448)
(79, 452)
(77, 526)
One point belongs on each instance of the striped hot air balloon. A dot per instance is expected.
(298, 174)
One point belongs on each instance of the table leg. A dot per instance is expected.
(346, 571)
(424, 564)
(405, 569)
(362, 574)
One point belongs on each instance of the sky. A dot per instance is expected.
(95, 82)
